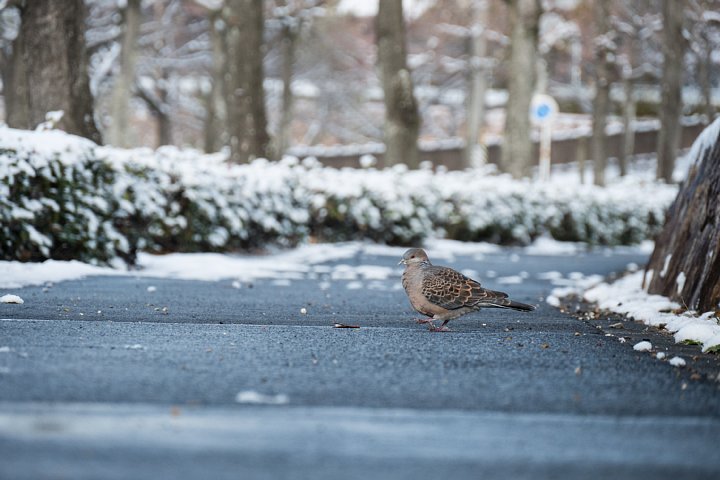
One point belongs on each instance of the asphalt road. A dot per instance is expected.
(100, 378)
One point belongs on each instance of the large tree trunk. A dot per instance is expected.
(601, 102)
(288, 44)
(15, 86)
(51, 43)
(671, 108)
(216, 115)
(478, 84)
(247, 119)
(516, 157)
(705, 79)
(685, 264)
(402, 121)
(120, 134)
(629, 116)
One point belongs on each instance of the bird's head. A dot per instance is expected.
(414, 256)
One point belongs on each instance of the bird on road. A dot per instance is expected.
(442, 293)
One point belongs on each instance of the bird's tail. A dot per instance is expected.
(507, 303)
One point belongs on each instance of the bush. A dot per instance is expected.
(64, 197)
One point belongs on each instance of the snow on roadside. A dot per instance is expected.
(294, 264)
(22, 274)
(627, 297)
(549, 246)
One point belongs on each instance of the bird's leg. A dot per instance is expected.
(424, 320)
(441, 328)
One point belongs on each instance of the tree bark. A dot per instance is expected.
(478, 85)
(51, 43)
(671, 111)
(601, 102)
(245, 96)
(120, 134)
(402, 121)
(516, 155)
(685, 265)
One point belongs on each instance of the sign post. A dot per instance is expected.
(543, 111)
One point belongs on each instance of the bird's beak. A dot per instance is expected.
(402, 262)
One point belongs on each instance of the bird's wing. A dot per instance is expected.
(451, 290)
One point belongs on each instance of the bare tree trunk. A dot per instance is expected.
(52, 46)
(15, 87)
(516, 157)
(216, 119)
(402, 121)
(581, 154)
(685, 264)
(157, 104)
(629, 109)
(704, 77)
(478, 85)
(125, 80)
(671, 111)
(288, 44)
(245, 100)
(601, 102)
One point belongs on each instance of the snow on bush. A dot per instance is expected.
(64, 197)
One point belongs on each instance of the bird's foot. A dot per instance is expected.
(443, 328)
(424, 320)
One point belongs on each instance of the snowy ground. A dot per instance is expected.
(281, 265)
(627, 297)
(624, 297)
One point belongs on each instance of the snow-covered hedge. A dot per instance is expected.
(64, 197)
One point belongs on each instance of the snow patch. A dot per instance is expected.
(549, 246)
(677, 362)
(510, 280)
(255, 398)
(643, 346)
(21, 274)
(11, 299)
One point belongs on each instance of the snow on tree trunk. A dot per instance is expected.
(478, 84)
(51, 45)
(247, 118)
(671, 85)
(685, 264)
(122, 90)
(601, 101)
(516, 157)
(402, 121)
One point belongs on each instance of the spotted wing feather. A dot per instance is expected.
(451, 290)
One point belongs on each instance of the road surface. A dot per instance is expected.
(101, 378)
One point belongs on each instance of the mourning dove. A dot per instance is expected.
(445, 294)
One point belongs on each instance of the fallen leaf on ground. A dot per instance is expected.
(342, 325)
